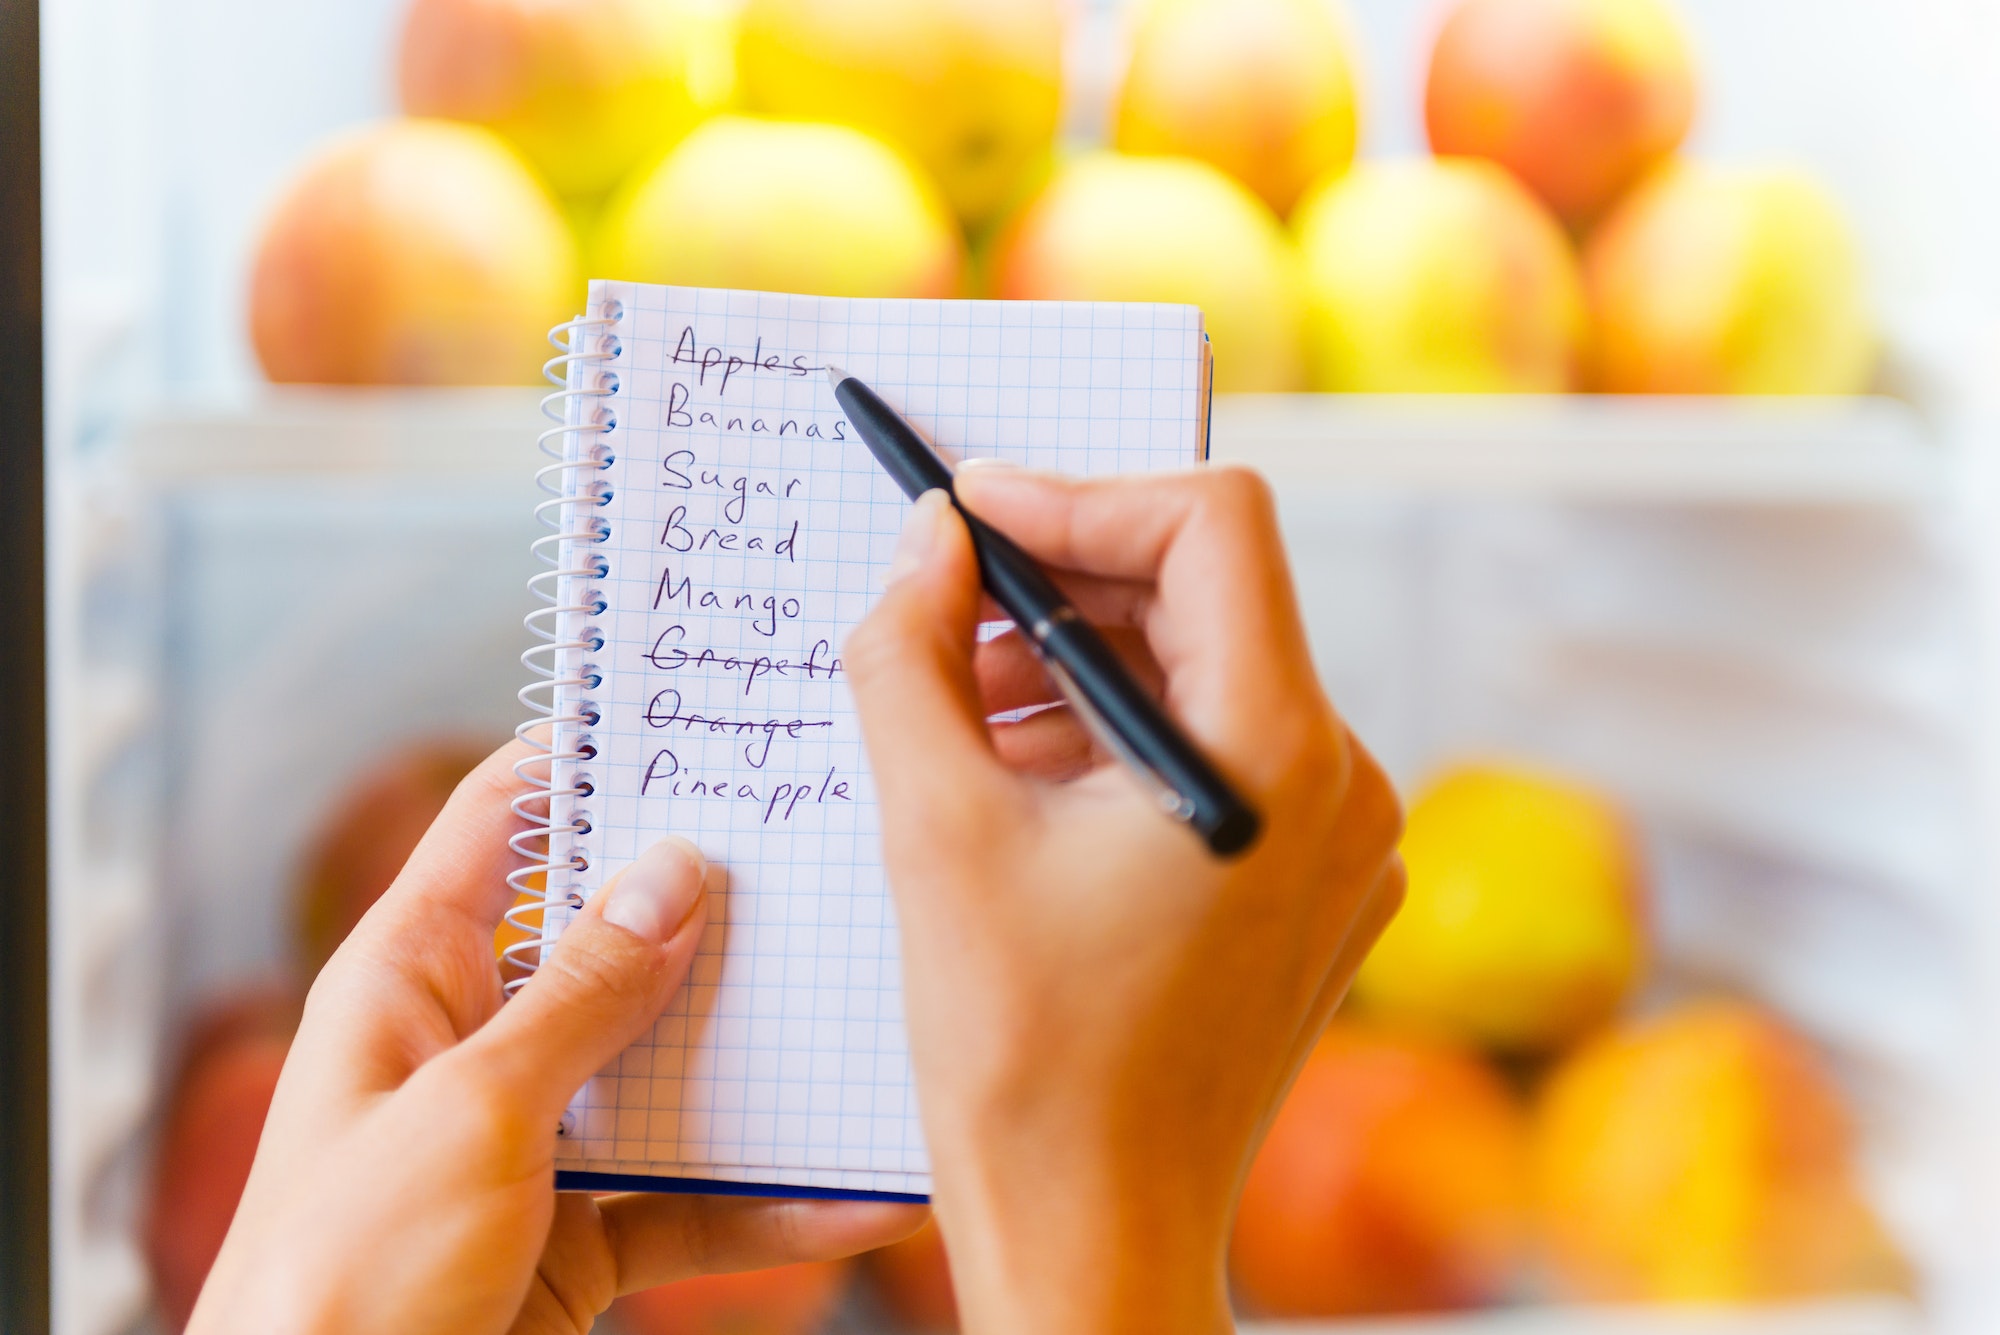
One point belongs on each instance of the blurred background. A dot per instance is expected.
(1626, 369)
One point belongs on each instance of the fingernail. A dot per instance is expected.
(654, 896)
(976, 475)
(920, 532)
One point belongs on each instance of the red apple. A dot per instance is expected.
(1263, 89)
(1579, 98)
(1395, 1178)
(367, 838)
(214, 1115)
(790, 1300)
(415, 252)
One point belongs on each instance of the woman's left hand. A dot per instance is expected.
(405, 1180)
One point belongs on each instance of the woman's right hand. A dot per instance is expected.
(1103, 1017)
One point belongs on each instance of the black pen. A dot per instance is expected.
(1128, 720)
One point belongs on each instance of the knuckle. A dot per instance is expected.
(484, 1109)
(876, 647)
(1394, 889)
(938, 826)
(1371, 798)
(698, 1244)
(595, 966)
(1241, 491)
(1315, 764)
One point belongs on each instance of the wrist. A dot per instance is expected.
(1082, 1247)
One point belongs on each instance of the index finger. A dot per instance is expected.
(1223, 620)
(430, 936)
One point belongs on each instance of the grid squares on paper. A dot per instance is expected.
(749, 530)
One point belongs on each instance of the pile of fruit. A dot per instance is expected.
(1489, 1119)
(1492, 1118)
(229, 1061)
(909, 148)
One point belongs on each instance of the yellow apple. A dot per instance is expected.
(1579, 98)
(1714, 280)
(1523, 925)
(1445, 275)
(1114, 227)
(415, 252)
(1263, 89)
(1703, 1156)
(586, 89)
(783, 206)
(971, 89)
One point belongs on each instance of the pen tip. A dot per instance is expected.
(834, 375)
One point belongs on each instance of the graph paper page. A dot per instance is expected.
(749, 530)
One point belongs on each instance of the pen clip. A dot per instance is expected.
(1177, 805)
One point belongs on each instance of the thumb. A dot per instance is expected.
(615, 968)
(909, 664)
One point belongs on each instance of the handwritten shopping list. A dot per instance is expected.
(748, 530)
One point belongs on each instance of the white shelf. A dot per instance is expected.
(1834, 1316)
(484, 433)
(1854, 451)
(1859, 451)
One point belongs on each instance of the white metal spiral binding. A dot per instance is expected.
(566, 591)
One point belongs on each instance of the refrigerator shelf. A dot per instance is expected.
(1868, 451)
(1814, 452)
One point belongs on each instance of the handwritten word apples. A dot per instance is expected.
(1578, 98)
(790, 1300)
(1429, 276)
(1263, 89)
(971, 89)
(1703, 1156)
(1113, 227)
(365, 840)
(913, 1280)
(585, 89)
(215, 1113)
(414, 252)
(1714, 280)
(1523, 924)
(783, 206)
(1395, 1178)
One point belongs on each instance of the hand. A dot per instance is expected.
(1103, 1016)
(405, 1178)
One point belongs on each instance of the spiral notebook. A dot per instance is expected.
(717, 530)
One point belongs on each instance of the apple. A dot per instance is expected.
(586, 89)
(213, 1117)
(1263, 89)
(1523, 925)
(970, 89)
(414, 252)
(1394, 1178)
(1428, 276)
(369, 834)
(1703, 1155)
(783, 206)
(788, 1300)
(1578, 98)
(1720, 280)
(1119, 227)
(913, 1280)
